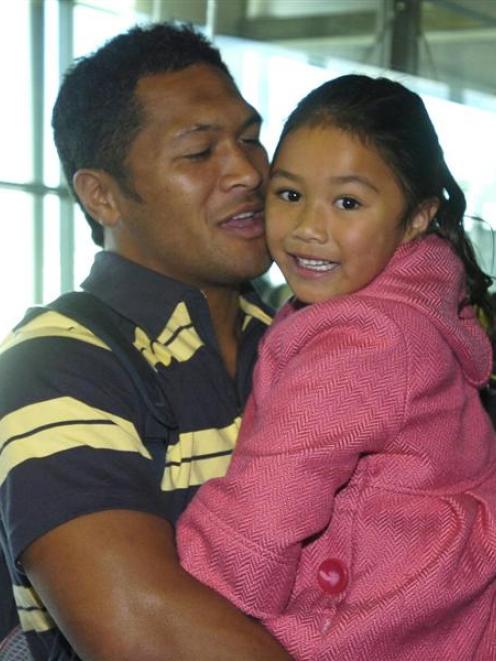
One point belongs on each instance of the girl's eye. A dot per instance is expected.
(347, 203)
(288, 195)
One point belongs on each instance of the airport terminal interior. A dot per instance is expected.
(277, 50)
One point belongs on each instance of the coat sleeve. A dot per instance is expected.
(320, 400)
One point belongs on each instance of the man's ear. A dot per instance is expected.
(421, 219)
(96, 191)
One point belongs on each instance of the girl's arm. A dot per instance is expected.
(314, 410)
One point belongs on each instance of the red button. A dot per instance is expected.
(332, 576)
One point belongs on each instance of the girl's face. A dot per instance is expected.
(333, 213)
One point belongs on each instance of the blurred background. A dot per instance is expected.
(277, 51)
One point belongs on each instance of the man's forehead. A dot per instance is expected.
(192, 83)
(194, 99)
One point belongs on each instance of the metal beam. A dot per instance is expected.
(37, 189)
(37, 20)
(439, 16)
(66, 238)
(229, 16)
(403, 34)
(269, 28)
(471, 13)
(192, 11)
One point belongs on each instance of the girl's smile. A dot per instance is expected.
(310, 267)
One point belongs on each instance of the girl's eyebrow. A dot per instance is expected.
(342, 179)
(278, 172)
(354, 179)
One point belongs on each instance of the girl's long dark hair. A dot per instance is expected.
(394, 120)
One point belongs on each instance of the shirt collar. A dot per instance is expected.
(148, 298)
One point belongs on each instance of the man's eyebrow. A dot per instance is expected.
(196, 128)
(254, 118)
(343, 179)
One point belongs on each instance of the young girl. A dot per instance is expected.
(358, 517)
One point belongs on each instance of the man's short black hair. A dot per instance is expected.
(96, 115)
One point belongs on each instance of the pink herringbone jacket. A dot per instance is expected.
(358, 517)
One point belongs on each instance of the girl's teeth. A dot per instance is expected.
(315, 264)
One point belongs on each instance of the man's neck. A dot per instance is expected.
(226, 320)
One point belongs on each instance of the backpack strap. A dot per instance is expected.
(488, 397)
(14, 647)
(98, 317)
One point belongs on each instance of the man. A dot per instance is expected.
(163, 155)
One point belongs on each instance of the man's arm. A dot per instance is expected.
(113, 584)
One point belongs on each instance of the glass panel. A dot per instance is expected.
(85, 249)
(484, 241)
(15, 111)
(94, 25)
(95, 22)
(51, 248)
(468, 137)
(261, 74)
(52, 171)
(16, 256)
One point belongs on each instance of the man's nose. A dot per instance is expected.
(246, 166)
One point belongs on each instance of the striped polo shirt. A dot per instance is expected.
(74, 435)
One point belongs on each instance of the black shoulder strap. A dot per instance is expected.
(488, 397)
(97, 317)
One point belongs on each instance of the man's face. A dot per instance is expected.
(200, 172)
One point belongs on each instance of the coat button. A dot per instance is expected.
(332, 576)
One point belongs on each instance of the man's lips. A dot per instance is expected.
(247, 224)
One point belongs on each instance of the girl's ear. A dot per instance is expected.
(96, 191)
(421, 219)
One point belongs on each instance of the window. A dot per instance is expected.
(45, 244)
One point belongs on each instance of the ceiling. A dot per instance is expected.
(453, 41)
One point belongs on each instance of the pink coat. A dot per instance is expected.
(358, 517)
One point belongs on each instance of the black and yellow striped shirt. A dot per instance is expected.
(74, 436)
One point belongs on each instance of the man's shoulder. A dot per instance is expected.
(42, 322)
(50, 355)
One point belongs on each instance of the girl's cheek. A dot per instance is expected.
(273, 239)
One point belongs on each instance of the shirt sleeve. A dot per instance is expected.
(322, 397)
(69, 444)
